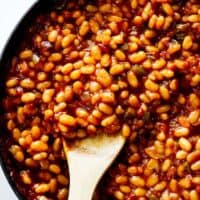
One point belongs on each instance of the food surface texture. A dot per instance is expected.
(107, 66)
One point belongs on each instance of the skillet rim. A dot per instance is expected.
(7, 52)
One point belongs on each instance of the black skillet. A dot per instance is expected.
(10, 49)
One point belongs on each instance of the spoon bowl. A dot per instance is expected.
(88, 159)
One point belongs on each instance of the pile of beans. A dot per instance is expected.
(107, 66)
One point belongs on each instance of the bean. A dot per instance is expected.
(147, 12)
(194, 101)
(159, 22)
(67, 68)
(167, 73)
(19, 156)
(133, 47)
(180, 64)
(194, 195)
(60, 97)
(173, 185)
(30, 162)
(195, 80)
(78, 87)
(160, 186)
(164, 93)
(150, 34)
(16, 134)
(181, 132)
(185, 182)
(173, 48)
(88, 69)
(166, 165)
(11, 125)
(25, 177)
(89, 60)
(48, 114)
(105, 60)
(137, 181)
(28, 97)
(96, 52)
(104, 108)
(62, 194)
(39, 146)
(55, 57)
(150, 85)
(108, 97)
(59, 107)
(196, 180)
(116, 69)
(125, 189)
(47, 68)
(84, 28)
(134, 4)
(193, 156)
(27, 83)
(91, 8)
(126, 131)
(26, 54)
(181, 155)
(185, 144)
(94, 26)
(68, 93)
(168, 9)
(117, 39)
(187, 42)
(53, 185)
(159, 64)
(139, 192)
(120, 55)
(67, 120)
(42, 188)
(12, 83)
(138, 57)
(67, 40)
(63, 128)
(54, 169)
(197, 146)
(57, 145)
(194, 116)
(94, 86)
(76, 74)
(52, 36)
(185, 194)
(105, 8)
(62, 179)
(196, 166)
(119, 195)
(152, 180)
(40, 156)
(193, 18)
(108, 120)
(48, 95)
(35, 132)
(103, 77)
(121, 179)
(80, 20)
(132, 79)
(153, 164)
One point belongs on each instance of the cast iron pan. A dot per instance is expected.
(11, 48)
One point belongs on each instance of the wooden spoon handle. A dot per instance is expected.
(83, 180)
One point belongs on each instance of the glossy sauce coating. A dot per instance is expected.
(107, 66)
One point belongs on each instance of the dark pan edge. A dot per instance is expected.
(7, 52)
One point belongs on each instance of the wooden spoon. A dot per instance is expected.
(88, 159)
